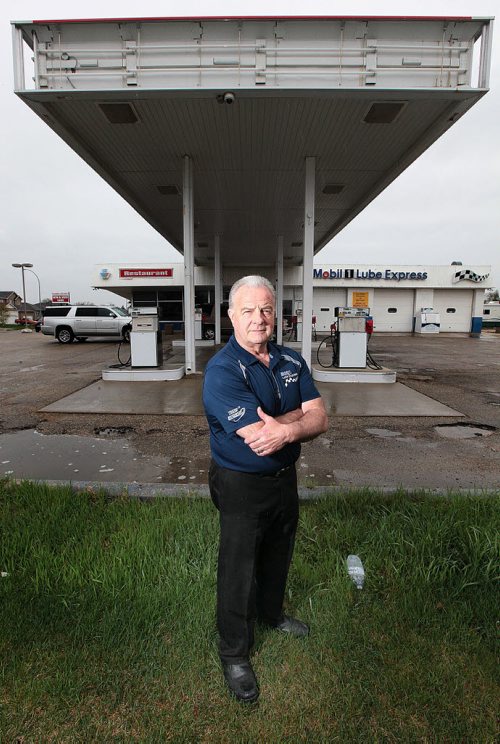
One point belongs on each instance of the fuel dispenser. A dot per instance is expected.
(427, 321)
(198, 323)
(299, 324)
(353, 325)
(145, 338)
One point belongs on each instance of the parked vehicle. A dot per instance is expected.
(491, 315)
(29, 321)
(67, 322)
(208, 321)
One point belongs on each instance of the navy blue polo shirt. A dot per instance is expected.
(235, 383)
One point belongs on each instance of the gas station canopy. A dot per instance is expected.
(248, 100)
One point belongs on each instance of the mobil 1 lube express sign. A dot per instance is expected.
(369, 274)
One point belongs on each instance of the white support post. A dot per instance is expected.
(188, 225)
(307, 264)
(217, 288)
(485, 55)
(279, 291)
(17, 50)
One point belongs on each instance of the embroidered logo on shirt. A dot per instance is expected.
(235, 414)
(289, 377)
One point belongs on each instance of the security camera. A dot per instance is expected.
(228, 98)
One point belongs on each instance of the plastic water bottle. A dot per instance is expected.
(355, 570)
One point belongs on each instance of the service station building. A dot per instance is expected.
(394, 294)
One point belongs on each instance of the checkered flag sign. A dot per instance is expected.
(471, 276)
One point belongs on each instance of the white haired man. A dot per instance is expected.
(260, 402)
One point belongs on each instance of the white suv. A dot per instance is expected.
(67, 322)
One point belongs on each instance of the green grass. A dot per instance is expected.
(107, 623)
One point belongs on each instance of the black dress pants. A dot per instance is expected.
(258, 519)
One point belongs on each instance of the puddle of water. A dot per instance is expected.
(29, 454)
(186, 470)
(416, 377)
(32, 369)
(325, 442)
(462, 431)
(384, 433)
(319, 477)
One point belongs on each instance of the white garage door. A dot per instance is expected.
(393, 310)
(455, 309)
(325, 300)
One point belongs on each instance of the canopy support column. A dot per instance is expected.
(279, 291)
(17, 49)
(217, 288)
(307, 263)
(188, 227)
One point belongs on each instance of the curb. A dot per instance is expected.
(147, 491)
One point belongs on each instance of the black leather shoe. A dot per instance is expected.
(240, 679)
(293, 627)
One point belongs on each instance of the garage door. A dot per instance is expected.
(325, 300)
(393, 310)
(455, 309)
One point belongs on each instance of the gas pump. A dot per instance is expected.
(353, 325)
(299, 324)
(145, 338)
(347, 344)
(427, 321)
(198, 318)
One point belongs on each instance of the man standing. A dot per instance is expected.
(260, 402)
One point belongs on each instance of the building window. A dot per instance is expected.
(451, 310)
(486, 312)
(324, 309)
(392, 309)
(201, 296)
(145, 298)
(170, 294)
(170, 311)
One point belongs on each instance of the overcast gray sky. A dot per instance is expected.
(62, 217)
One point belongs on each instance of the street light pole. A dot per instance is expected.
(23, 266)
(39, 291)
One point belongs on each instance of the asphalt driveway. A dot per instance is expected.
(380, 451)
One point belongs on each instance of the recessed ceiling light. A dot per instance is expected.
(119, 113)
(168, 189)
(384, 112)
(333, 188)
